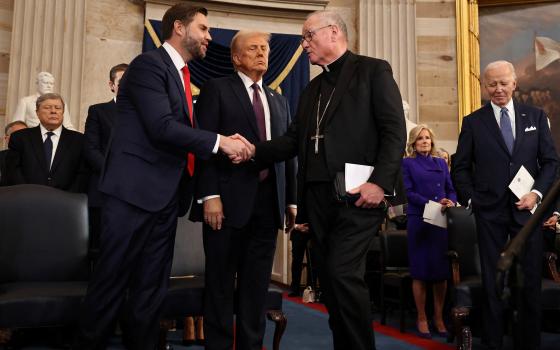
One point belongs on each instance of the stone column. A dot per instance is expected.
(387, 30)
(47, 35)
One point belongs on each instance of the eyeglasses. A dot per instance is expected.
(308, 36)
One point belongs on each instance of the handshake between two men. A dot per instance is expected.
(237, 148)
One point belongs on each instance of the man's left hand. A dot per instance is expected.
(528, 201)
(371, 195)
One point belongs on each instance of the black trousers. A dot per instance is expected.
(342, 237)
(492, 238)
(131, 275)
(299, 245)
(247, 252)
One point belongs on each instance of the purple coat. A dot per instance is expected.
(426, 178)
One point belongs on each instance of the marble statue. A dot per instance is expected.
(25, 110)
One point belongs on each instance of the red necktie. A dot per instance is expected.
(188, 95)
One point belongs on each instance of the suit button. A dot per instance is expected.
(438, 185)
(435, 197)
(49, 179)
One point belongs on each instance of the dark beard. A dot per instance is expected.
(194, 48)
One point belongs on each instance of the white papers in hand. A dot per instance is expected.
(356, 175)
(433, 215)
(522, 183)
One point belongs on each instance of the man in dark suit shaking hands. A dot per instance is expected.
(495, 142)
(243, 205)
(351, 113)
(146, 176)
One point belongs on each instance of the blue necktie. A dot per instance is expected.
(48, 148)
(505, 127)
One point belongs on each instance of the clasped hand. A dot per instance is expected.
(237, 148)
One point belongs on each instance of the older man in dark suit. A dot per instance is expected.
(146, 177)
(244, 204)
(351, 113)
(99, 126)
(48, 154)
(495, 142)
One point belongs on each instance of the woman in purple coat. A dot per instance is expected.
(426, 177)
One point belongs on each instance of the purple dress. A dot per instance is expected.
(426, 178)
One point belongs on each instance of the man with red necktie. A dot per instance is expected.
(146, 185)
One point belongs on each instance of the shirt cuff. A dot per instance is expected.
(292, 206)
(538, 194)
(204, 199)
(556, 213)
(217, 145)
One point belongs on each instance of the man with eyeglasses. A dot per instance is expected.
(351, 113)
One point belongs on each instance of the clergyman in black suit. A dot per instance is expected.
(495, 142)
(8, 130)
(351, 113)
(99, 124)
(243, 205)
(48, 154)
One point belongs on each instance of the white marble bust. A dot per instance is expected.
(409, 124)
(25, 110)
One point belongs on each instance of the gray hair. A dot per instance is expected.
(496, 64)
(331, 17)
(49, 96)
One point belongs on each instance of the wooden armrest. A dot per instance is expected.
(455, 269)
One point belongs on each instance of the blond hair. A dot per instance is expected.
(410, 151)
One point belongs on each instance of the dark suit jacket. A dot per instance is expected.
(147, 154)
(99, 124)
(3, 170)
(26, 161)
(482, 168)
(364, 125)
(224, 107)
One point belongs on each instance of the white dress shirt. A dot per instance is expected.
(248, 82)
(54, 138)
(511, 112)
(179, 63)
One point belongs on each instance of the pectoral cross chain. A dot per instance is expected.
(319, 119)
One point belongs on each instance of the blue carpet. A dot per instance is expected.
(308, 329)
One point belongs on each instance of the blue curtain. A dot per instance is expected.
(218, 60)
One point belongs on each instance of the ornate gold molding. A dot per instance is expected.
(468, 57)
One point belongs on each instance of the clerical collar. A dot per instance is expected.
(336, 64)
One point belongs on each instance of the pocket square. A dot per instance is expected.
(531, 128)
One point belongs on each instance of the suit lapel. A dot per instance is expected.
(241, 92)
(310, 105)
(275, 115)
(520, 119)
(60, 149)
(346, 74)
(111, 112)
(37, 144)
(178, 82)
(490, 121)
